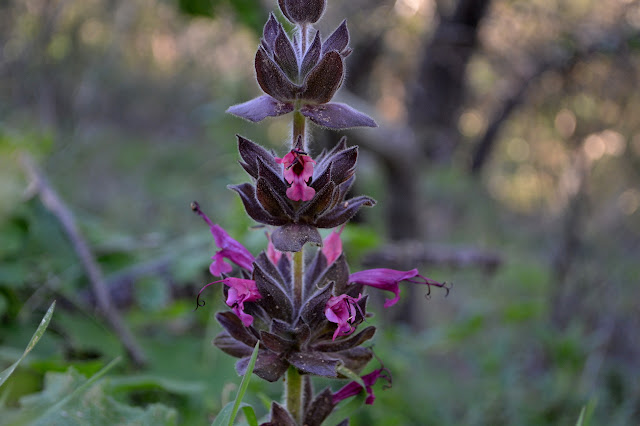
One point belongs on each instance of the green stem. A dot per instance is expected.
(299, 122)
(298, 274)
(294, 393)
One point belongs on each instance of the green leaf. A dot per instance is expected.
(224, 416)
(70, 399)
(196, 7)
(4, 397)
(36, 336)
(352, 375)
(150, 381)
(580, 421)
(80, 389)
(250, 414)
(586, 413)
(345, 410)
(4, 305)
(228, 413)
(222, 419)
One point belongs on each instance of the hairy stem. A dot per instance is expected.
(299, 122)
(293, 389)
(298, 274)
(293, 392)
(303, 39)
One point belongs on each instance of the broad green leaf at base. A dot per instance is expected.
(70, 399)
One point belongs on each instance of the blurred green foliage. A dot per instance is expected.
(247, 12)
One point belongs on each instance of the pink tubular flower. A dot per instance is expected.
(388, 279)
(355, 388)
(298, 169)
(240, 291)
(229, 248)
(332, 246)
(273, 254)
(342, 310)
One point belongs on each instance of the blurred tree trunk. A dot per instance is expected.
(439, 90)
(437, 96)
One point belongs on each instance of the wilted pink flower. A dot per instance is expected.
(388, 279)
(332, 246)
(355, 388)
(240, 291)
(229, 248)
(342, 310)
(298, 169)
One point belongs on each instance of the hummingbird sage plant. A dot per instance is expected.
(306, 311)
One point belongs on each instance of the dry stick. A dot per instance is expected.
(406, 253)
(55, 205)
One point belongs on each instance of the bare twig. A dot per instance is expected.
(561, 61)
(56, 206)
(407, 254)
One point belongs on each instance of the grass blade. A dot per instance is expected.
(36, 336)
(245, 383)
(585, 414)
(228, 413)
(580, 421)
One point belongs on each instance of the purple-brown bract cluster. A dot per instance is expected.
(305, 311)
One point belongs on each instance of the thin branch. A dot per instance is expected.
(563, 62)
(56, 206)
(406, 254)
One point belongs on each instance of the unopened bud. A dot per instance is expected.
(302, 11)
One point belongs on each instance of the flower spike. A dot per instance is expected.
(292, 312)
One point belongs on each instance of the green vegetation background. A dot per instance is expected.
(122, 106)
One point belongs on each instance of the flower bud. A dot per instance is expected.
(302, 11)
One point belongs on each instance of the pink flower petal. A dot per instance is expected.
(354, 388)
(332, 246)
(388, 279)
(342, 311)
